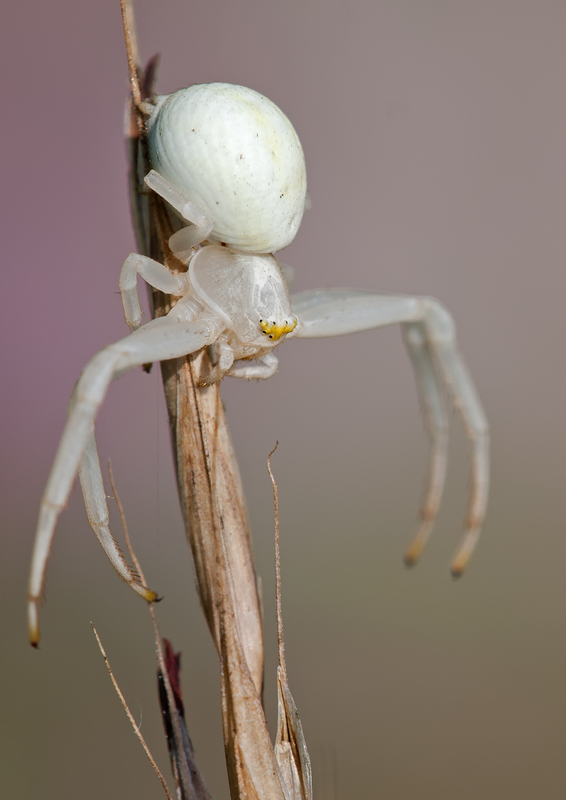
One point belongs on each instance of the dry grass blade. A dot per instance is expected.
(130, 717)
(252, 768)
(188, 780)
(132, 51)
(290, 745)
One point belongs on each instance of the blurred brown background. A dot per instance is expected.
(434, 133)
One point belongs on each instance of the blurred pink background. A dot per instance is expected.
(435, 135)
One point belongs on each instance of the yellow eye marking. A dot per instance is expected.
(275, 331)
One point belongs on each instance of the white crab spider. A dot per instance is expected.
(230, 164)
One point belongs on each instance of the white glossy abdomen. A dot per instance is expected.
(234, 154)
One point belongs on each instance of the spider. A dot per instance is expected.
(231, 166)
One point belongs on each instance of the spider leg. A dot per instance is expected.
(442, 339)
(153, 273)
(436, 419)
(98, 516)
(263, 371)
(159, 340)
(335, 312)
(224, 360)
(182, 241)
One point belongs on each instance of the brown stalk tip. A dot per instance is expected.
(410, 559)
(457, 571)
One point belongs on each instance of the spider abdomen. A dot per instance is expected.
(235, 155)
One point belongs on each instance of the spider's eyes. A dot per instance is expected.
(275, 331)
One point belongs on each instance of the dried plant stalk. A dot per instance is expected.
(211, 495)
(213, 503)
(290, 745)
(208, 478)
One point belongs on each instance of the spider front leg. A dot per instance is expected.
(182, 242)
(431, 341)
(160, 339)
